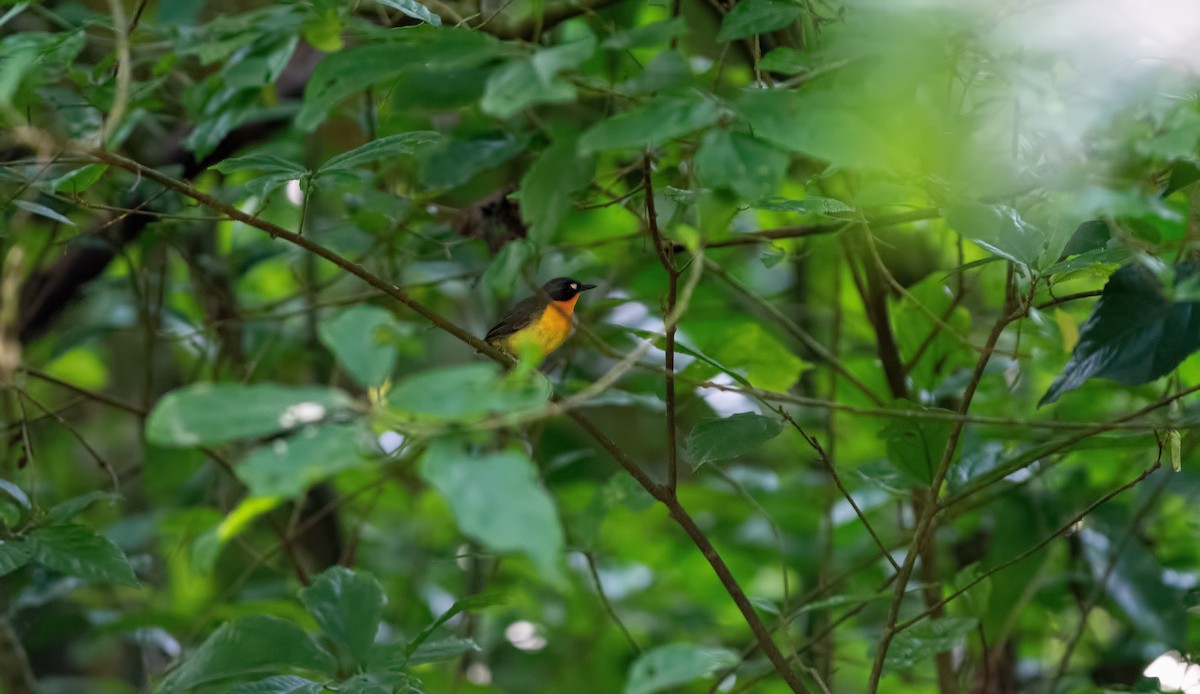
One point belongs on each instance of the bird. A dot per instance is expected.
(541, 322)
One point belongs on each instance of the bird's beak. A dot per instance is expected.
(585, 287)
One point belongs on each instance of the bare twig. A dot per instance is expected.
(612, 614)
(666, 256)
(925, 522)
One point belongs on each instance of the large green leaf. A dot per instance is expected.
(550, 185)
(817, 127)
(750, 17)
(348, 607)
(749, 348)
(998, 229)
(363, 338)
(286, 467)
(743, 163)
(520, 84)
(14, 554)
(77, 550)
(465, 393)
(255, 645)
(1138, 330)
(663, 119)
(414, 9)
(355, 69)
(280, 684)
(209, 413)
(726, 438)
(916, 446)
(382, 148)
(498, 500)
(926, 639)
(646, 35)
(676, 664)
(454, 162)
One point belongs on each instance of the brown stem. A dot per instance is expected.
(666, 256)
(16, 675)
(925, 522)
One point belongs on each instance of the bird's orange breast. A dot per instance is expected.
(548, 331)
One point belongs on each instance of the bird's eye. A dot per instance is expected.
(574, 286)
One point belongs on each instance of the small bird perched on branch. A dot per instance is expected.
(541, 322)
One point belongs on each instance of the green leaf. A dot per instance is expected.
(467, 604)
(347, 607)
(915, 446)
(1136, 332)
(726, 438)
(203, 414)
(14, 554)
(78, 180)
(667, 70)
(506, 269)
(72, 507)
(382, 148)
(809, 205)
(676, 664)
(516, 86)
(286, 467)
(77, 550)
(442, 649)
(925, 640)
(742, 163)
(422, 48)
(42, 211)
(550, 186)
(750, 17)
(521, 84)
(363, 338)
(254, 645)
(813, 126)
(454, 162)
(998, 229)
(280, 684)
(748, 347)
(785, 60)
(663, 119)
(414, 9)
(265, 163)
(498, 500)
(646, 35)
(464, 393)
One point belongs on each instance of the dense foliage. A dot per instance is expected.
(887, 384)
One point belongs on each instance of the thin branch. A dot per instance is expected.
(612, 614)
(795, 330)
(16, 674)
(666, 256)
(1061, 531)
(925, 522)
(1101, 586)
(837, 479)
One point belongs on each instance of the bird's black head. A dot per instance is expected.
(565, 288)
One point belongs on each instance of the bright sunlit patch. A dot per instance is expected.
(1174, 674)
(723, 402)
(524, 635)
(295, 194)
(390, 441)
(302, 413)
(480, 674)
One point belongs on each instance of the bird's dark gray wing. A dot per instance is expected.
(518, 317)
